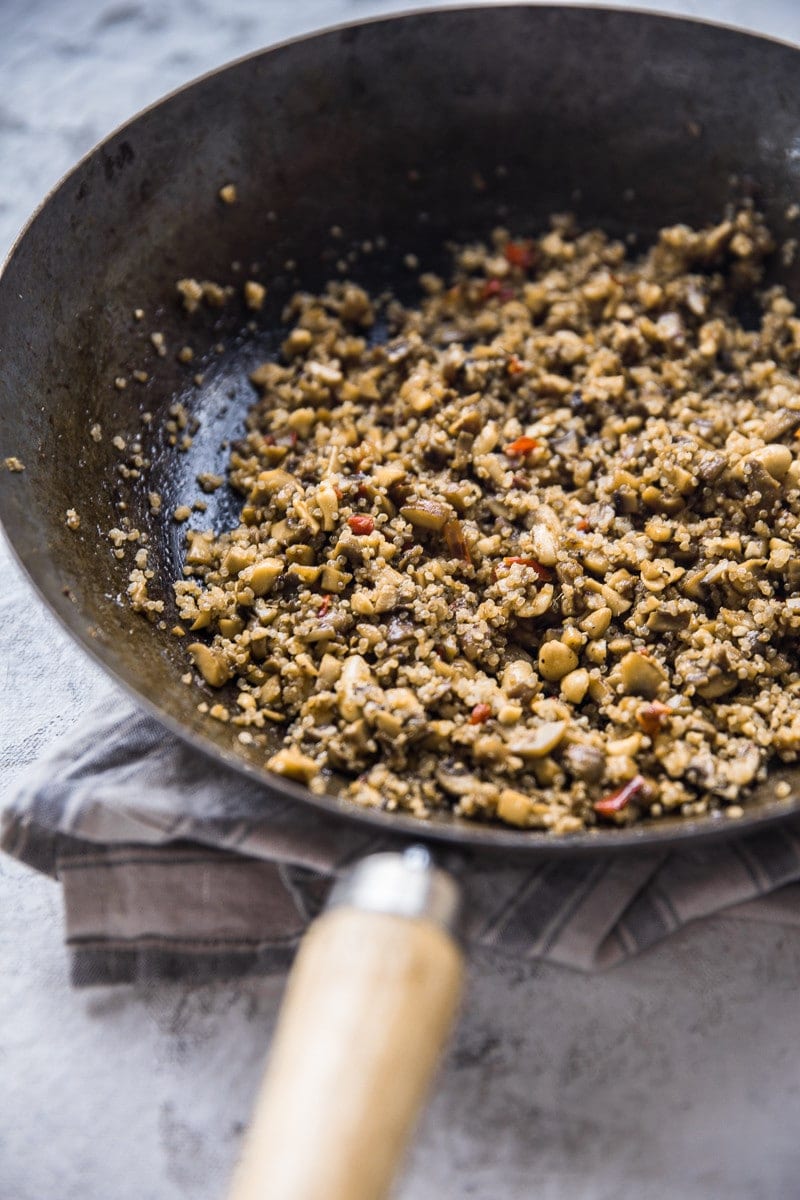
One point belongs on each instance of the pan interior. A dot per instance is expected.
(401, 134)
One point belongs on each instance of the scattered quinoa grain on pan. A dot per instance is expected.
(209, 482)
(138, 596)
(96, 433)
(73, 521)
(214, 295)
(182, 513)
(191, 292)
(117, 537)
(254, 294)
(533, 553)
(14, 465)
(227, 193)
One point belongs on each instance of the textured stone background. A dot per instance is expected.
(674, 1076)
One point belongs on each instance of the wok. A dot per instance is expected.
(403, 132)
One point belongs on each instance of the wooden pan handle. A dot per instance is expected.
(369, 1003)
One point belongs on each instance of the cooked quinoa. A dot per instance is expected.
(533, 553)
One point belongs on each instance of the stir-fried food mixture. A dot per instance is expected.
(532, 554)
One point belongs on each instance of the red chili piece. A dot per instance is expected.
(520, 446)
(543, 572)
(492, 287)
(514, 366)
(323, 608)
(520, 254)
(361, 525)
(583, 524)
(479, 714)
(652, 716)
(617, 800)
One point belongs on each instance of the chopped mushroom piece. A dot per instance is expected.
(536, 743)
(556, 660)
(210, 663)
(575, 685)
(426, 514)
(640, 676)
(516, 808)
(262, 575)
(294, 765)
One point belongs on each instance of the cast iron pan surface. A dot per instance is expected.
(414, 129)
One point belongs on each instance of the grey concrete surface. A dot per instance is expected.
(675, 1076)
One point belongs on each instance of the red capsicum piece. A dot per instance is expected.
(520, 446)
(616, 801)
(361, 525)
(493, 287)
(520, 254)
(652, 716)
(479, 714)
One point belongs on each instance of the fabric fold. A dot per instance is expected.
(174, 866)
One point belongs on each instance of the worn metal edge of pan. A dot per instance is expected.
(460, 833)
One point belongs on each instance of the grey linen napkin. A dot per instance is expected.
(173, 866)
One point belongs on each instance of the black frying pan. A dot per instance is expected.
(631, 120)
(413, 129)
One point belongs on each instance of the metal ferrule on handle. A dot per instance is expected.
(402, 885)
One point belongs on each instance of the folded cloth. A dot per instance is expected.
(174, 866)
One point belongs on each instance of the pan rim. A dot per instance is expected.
(599, 10)
(659, 835)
